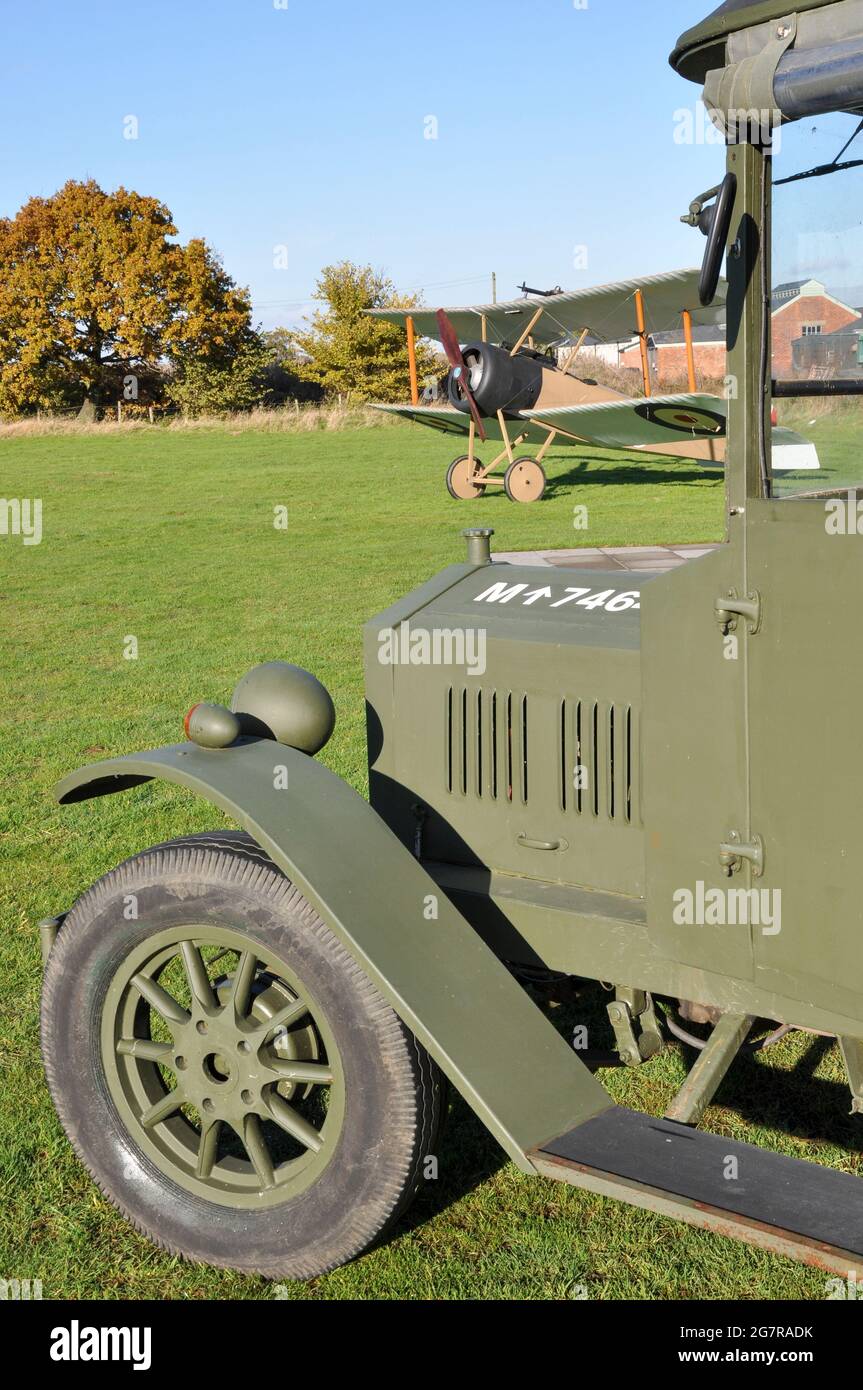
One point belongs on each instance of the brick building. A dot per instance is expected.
(803, 312)
(804, 309)
(667, 352)
(836, 354)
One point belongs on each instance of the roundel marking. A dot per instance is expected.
(681, 419)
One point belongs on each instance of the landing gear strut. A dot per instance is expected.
(524, 480)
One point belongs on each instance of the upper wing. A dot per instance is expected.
(607, 312)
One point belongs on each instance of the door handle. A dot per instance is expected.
(549, 845)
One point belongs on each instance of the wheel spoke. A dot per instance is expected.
(243, 981)
(316, 1072)
(196, 973)
(286, 1016)
(256, 1148)
(163, 1108)
(213, 1088)
(160, 1000)
(288, 1119)
(208, 1147)
(145, 1049)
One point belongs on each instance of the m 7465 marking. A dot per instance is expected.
(611, 600)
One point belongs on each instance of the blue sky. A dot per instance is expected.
(303, 127)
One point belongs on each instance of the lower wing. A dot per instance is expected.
(684, 426)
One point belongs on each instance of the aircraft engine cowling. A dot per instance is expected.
(497, 380)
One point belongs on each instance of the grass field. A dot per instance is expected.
(169, 537)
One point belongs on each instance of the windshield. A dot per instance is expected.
(817, 307)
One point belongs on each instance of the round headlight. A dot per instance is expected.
(284, 702)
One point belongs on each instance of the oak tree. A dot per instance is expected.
(96, 293)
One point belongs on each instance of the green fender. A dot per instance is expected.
(510, 1064)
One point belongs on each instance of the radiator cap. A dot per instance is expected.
(479, 544)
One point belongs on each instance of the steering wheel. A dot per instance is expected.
(717, 237)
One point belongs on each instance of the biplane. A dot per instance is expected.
(511, 381)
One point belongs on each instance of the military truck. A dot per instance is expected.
(630, 771)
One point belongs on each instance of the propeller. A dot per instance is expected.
(461, 371)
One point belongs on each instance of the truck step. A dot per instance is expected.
(784, 1205)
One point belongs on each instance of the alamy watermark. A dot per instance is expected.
(18, 1290)
(843, 516)
(77, 1343)
(844, 1290)
(440, 646)
(21, 516)
(694, 125)
(728, 907)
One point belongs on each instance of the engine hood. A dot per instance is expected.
(532, 604)
(504, 721)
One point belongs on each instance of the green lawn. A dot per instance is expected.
(169, 537)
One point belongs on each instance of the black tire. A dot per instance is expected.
(393, 1092)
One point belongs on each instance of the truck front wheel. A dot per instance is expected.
(232, 1080)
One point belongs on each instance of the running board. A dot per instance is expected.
(785, 1205)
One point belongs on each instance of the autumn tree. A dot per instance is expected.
(96, 292)
(350, 353)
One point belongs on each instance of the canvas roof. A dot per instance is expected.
(703, 47)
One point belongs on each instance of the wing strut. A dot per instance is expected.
(642, 338)
(412, 360)
(690, 352)
(527, 332)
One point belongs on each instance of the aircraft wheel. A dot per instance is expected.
(525, 480)
(460, 479)
(230, 1077)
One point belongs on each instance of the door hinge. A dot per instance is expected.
(728, 608)
(631, 1007)
(735, 850)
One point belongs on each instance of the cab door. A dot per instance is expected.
(805, 702)
(804, 553)
(696, 746)
(694, 764)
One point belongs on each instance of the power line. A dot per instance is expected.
(414, 289)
